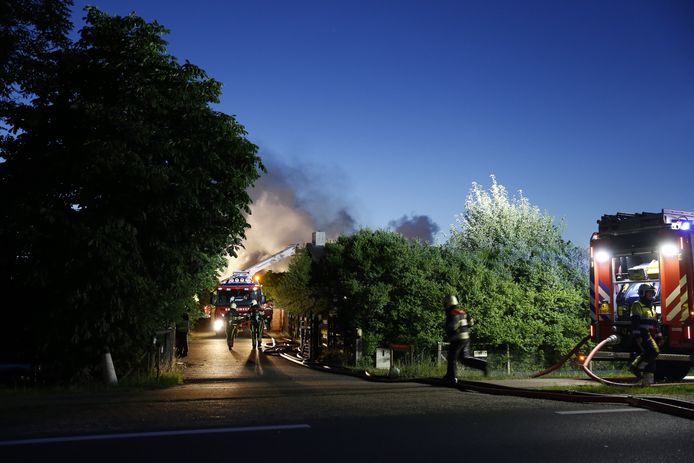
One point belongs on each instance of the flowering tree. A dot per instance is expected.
(526, 284)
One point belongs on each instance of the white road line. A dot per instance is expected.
(135, 435)
(609, 410)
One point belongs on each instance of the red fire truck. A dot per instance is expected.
(632, 249)
(238, 289)
(241, 288)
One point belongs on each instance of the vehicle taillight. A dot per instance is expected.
(592, 331)
(688, 333)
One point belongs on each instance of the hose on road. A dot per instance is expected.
(609, 340)
(563, 359)
(669, 406)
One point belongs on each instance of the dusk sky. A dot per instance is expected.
(394, 108)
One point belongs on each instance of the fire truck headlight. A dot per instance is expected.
(218, 324)
(686, 226)
(602, 256)
(669, 249)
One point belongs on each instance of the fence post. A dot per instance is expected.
(109, 372)
(157, 356)
(508, 360)
(358, 347)
(171, 346)
(150, 355)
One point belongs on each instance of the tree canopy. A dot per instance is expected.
(505, 260)
(377, 281)
(527, 285)
(29, 31)
(125, 188)
(293, 287)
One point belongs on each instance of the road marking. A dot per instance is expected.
(609, 410)
(134, 435)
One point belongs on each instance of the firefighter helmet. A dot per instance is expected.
(644, 288)
(449, 301)
(232, 306)
(254, 303)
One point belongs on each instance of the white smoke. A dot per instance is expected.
(289, 203)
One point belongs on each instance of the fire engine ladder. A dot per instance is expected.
(284, 253)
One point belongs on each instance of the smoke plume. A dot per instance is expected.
(418, 227)
(289, 203)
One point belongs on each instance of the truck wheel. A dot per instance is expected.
(673, 371)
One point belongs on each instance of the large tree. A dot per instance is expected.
(525, 284)
(125, 188)
(386, 285)
(292, 289)
(29, 31)
(506, 260)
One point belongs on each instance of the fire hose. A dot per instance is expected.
(563, 360)
(613, 339)
(670, 406)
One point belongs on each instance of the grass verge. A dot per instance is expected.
(132, 383)
(663, 389)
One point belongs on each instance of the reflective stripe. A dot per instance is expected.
(673, 313)
(592, 292)
(685, 307)
(681, 308)
(603, 293)
(676, 292)
(681, 305)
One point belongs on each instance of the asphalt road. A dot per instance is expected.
(246, 404)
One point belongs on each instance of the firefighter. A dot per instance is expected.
(257, 318)
(232, 325)
(646, 335)
(457, 326)
(182, 328)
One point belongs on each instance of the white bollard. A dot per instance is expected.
(109, 370)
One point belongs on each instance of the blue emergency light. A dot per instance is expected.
(682, 224)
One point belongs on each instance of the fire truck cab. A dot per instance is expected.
(627, 251)
(239, 289)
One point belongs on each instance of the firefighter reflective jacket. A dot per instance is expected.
(457, 324)
(234, 317)
(643, 320)
(256, 316)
